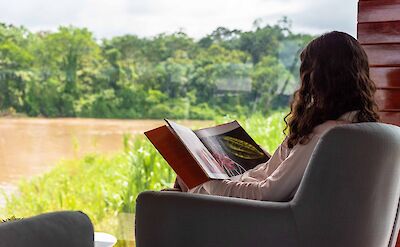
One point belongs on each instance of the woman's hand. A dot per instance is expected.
(172, 189)
(179, 186)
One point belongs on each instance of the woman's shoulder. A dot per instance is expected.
(346, 118)
(324, 127)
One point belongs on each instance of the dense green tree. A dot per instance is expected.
(74, 53)
(268, 77)
(70, 73)
(15, 66)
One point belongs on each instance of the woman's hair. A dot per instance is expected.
(334, 74)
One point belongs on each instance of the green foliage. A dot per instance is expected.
(97, 183)
(104, 187)
(68, 73)
(267, 76)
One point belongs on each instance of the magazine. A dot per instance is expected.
(197, 156)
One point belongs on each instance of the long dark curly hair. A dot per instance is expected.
(334, 74)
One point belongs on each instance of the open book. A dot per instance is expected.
(218, 152)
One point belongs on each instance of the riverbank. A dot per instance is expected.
(31, 146)
(106, 186)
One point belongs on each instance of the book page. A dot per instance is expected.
(199, 152)
(232, 147)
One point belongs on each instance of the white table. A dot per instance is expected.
(102, 239)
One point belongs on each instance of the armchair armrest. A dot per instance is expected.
(61, 229)
(183, 219)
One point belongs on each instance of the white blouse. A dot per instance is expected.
(279, 177)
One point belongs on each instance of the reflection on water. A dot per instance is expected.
(32, 146)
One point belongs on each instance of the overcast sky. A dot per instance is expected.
(107, 18)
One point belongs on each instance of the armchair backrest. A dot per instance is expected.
(350, 192)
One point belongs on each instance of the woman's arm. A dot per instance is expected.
(265, 151)
(276, 187)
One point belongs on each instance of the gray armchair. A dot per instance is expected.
(58, 229)
(349, 197)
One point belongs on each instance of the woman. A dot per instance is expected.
(335, 89)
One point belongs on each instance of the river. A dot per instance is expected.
(32, 146)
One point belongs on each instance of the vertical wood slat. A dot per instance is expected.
(386, 77)
(383, 54)
(388, 100)
(390, 118)
(378, 11)
(378, 32)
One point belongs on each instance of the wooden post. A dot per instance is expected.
(378, 30)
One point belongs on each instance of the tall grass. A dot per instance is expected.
(106, 187)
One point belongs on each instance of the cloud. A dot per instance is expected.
(198, 18)
(327, 15)
(39, 13)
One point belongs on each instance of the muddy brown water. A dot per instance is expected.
(32, 146)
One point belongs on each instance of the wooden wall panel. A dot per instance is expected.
(388, 99)
(386, 77)
(383, 55)
(390, 118)
(379, 32)
(378, 11)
